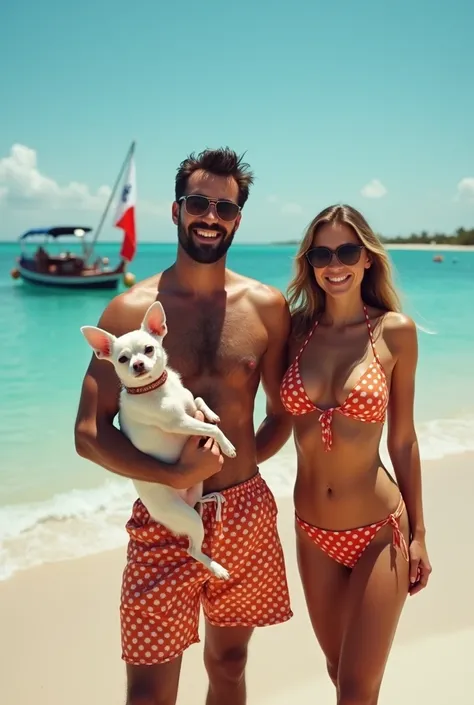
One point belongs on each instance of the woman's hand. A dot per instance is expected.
(420, 566)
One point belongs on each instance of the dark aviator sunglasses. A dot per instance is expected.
(348, 254)
(200, 205)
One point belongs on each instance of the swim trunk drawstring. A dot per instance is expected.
(219, 499)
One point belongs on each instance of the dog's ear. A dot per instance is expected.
(155, 320)
(100, 341)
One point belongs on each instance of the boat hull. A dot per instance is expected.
(106, 280)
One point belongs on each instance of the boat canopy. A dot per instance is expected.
(57, 231)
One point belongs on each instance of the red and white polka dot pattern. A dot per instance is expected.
(163, 587)
(367, 402)
(347, 546)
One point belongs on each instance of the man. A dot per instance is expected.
(226, 334)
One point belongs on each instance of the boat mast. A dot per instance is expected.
(130, 153)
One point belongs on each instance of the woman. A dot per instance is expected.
(354, 358)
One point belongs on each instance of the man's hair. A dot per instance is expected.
(220, 162)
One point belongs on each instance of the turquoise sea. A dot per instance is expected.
(54, 505)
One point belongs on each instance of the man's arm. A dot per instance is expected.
(99, 441)
(276, 428)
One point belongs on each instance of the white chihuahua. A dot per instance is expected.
(156, 413)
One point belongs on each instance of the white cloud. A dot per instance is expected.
(466, 188)
(374, 189)
(291, 209)
(22, 185)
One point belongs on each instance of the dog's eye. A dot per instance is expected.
(123, 358)
(149, 349)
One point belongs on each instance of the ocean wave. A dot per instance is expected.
(440, 438)
(84, 522)
(68, 525)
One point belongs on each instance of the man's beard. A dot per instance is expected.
(200, 252)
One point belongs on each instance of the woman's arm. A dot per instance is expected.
(402, 439)
(400, 332)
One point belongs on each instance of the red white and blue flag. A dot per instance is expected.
(125, 216)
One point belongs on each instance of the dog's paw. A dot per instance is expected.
(219, 571)
(212, 417)
(228, 449)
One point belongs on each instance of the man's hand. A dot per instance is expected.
(199, 460)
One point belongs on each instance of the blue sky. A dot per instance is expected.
(366, 102)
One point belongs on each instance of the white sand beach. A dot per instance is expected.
(61, 643)
(430, 247)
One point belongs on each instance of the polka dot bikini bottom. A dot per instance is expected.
(347, 546)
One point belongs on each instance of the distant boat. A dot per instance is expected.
(78, 270)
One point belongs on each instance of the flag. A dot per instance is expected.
(125, 216)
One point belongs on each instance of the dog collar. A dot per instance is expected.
(148, 387)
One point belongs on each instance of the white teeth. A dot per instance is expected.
(207, 233)
(338, 279)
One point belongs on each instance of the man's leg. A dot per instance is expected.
(153, 685)
(159, 610)
(225, 658)
(256, 595)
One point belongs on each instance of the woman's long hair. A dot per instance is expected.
(307, 299)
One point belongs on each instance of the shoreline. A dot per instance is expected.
(77, 522)
(445, 247)
(62, 619)
(409, 246)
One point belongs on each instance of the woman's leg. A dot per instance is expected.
(325, 585)
(378, 588)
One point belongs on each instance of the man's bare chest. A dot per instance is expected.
(211, 342)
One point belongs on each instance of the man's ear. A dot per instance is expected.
(175, 212)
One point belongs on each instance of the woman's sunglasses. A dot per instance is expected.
(348, 254)
(200, 205)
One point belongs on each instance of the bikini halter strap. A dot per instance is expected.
(306, 341)
(371, 336)
(369, 328)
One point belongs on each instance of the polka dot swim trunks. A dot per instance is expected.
(163, 587)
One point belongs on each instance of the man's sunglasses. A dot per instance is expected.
(200, 205)
(348, 254)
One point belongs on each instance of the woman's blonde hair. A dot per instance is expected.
(305, 296)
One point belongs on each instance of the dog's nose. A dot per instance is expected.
(138, 366)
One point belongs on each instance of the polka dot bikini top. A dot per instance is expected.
(367, 402)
